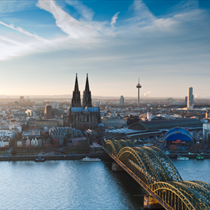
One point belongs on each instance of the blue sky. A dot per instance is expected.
(44, 43)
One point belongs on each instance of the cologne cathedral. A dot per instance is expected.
(83, 116)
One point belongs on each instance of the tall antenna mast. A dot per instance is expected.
(138, 86)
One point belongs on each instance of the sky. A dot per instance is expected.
(44, 43)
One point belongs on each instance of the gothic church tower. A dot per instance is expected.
(87, 101)
(76, 102)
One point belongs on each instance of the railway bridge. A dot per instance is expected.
(155, 172)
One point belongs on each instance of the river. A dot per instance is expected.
(78, 185)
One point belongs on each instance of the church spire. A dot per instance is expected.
(76, 102)
(76, 88)
(87, 84)
(87, 101)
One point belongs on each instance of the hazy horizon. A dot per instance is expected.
(69, 96)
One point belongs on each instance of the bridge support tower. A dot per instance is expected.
(116, 167)
(151, 203)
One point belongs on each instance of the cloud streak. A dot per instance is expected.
(114, 19)
(158, 49)
(86, 12)
(15, 5)
(24, 31)
(10, 48)
(143, 26)
(66, 22)
(143, 15)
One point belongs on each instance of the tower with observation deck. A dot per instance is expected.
(138, 86)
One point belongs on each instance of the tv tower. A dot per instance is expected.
(138, 86)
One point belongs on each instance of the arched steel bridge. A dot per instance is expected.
(155, 172)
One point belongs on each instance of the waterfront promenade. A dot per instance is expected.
(53, 157)
(103, 156)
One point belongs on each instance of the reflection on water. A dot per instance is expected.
(66, 184)
(78, 185)
(194, 169)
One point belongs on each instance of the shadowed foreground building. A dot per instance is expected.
(83, 116)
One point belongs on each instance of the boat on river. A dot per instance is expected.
(39, 158)
(88, 159)
(182, 158)
(199, 157)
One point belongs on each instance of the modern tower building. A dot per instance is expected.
(190, 99)
(48, 111)
(121, 101)
(185, 101)
(138, 86)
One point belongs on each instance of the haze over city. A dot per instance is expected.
(45, 43)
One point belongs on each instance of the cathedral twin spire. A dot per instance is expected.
(76, 87)
(87, 101)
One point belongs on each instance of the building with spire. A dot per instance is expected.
(83, 116)
(87, 101)
(76, 102)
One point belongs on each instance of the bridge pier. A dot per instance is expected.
(116, 167)
(151, 203)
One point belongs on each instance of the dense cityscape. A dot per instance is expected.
(39, 126)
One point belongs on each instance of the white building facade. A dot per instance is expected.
(121, 101)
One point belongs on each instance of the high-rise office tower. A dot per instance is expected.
(48, 111)
(190, 99)
(185, 101)
(121, 101)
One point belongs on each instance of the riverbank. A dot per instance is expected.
(104, 157)
(191, 156)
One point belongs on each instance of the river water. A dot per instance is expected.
(78, 185)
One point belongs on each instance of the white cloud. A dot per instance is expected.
(143, 15)
(86, 12)
(114, 19)
(127, 37)
(23, 31)
(157, 49)
(10, 48)
(15, 5)
(163, 24)
(65, 22)
(187, 5)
